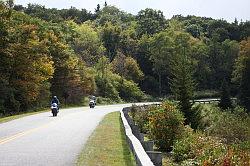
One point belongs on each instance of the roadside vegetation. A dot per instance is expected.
(214, 136)
(107, 145)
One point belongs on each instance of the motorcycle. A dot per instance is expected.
(92, 104)
(54, 109)
(92, 101)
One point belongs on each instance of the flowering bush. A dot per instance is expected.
(198, 147)
(166, 124)
(140, 115)
(209, 151)
(231, 126)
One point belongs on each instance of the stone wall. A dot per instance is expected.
(142, 150)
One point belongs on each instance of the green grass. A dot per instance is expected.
(107, 146)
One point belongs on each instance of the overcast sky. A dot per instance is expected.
(226, 9)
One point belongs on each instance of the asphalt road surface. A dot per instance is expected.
(43, 140)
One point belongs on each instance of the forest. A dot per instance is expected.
(118, 56)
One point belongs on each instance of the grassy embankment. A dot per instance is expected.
(107, 146)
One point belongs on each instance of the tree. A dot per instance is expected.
(161, 49)
(150, 22)
(103, 67)
(31, 65)
(194, 30)
(18, 8)
(87, 43)
(127, 67)
(244, 30)
(128, 41)
(218, 27)
(97, 10)
(118, 65)
(230, 53)
(221, 60)
(8, 102)
(245, 86)
(225, 100)
(241, 73)
(133, 71)
(150, 82)
(56, 15)
(202, 72)
(111, 39)
(104, 82)
(182, 83)
(66, 82)
(114, 15)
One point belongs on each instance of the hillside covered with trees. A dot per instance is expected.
(118, 56)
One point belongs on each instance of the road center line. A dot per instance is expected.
(18, 135)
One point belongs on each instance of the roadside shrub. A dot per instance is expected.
(141, 117)
(195, 116)
(225, 98)
(204, 116)
(199, 148)
(103, 100)
(231, 127)
(116, 88)
(232, 157)
(10, 105)
(182, 147)
(236, 156)
(224, 142)
(210, 114)
(133, 111)
(130, 91)
(244, 146)
(166, 124)
(107, 89)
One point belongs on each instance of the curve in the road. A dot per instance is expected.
(44, 140)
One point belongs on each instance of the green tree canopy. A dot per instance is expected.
(150, 21)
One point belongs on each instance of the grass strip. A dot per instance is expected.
(107, 146)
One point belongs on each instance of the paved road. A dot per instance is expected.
(43, 140)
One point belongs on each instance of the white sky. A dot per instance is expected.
(218, 9)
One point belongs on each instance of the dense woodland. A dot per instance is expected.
(118, 56)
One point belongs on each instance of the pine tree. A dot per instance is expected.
(97, 8)
(245, 86)
(225, 101)
(182, 85)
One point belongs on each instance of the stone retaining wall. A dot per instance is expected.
(142, 150)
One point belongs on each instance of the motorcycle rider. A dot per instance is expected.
(55, 100)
